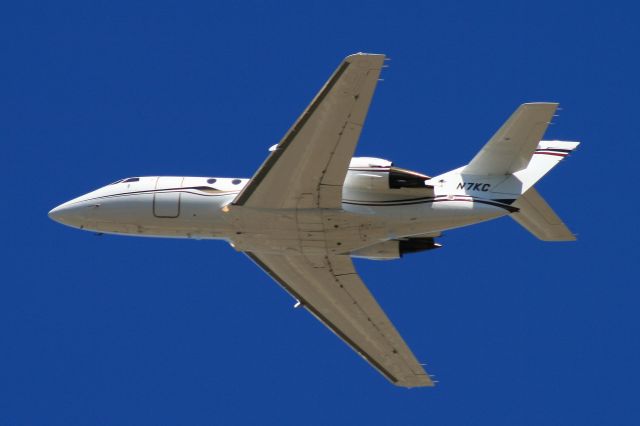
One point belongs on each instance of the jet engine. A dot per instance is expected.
(369, 174)
(395, 249)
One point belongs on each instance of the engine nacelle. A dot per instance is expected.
(395, 249)
(370, 174)
(369, 163)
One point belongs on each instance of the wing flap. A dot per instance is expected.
(330, 288)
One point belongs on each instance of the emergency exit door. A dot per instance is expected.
(166, 199)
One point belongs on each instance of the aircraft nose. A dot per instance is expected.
(57, 213)
(71, 214)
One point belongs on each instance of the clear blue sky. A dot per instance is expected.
(119, 330)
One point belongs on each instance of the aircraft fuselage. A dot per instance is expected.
(200, 208)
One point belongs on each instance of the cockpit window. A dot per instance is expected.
(134, 179)
(212, 180)
(118, 181)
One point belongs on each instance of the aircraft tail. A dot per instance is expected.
(513, 160)
(517, 149)
(510, 149)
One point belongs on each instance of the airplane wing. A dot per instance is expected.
(312, 159)
(329, 287)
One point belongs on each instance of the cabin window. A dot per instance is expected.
(134, 179)
(212, 180)
(236, 181)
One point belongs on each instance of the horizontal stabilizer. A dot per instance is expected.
(537, 217)
(547, 155)
(511, 147)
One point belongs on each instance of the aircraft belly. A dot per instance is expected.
(200, 217)
(406, 220)
(303, 231)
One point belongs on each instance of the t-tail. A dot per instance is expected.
(510, 164)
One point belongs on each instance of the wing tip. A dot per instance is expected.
(365, 57)
(416, 383)
(550, 107)
(541, 103)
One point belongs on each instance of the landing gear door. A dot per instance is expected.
(166, 199)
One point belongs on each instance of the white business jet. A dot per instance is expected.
(311, 207)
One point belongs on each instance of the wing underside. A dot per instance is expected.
(312, 159)
(305, 172)
(330, 288)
